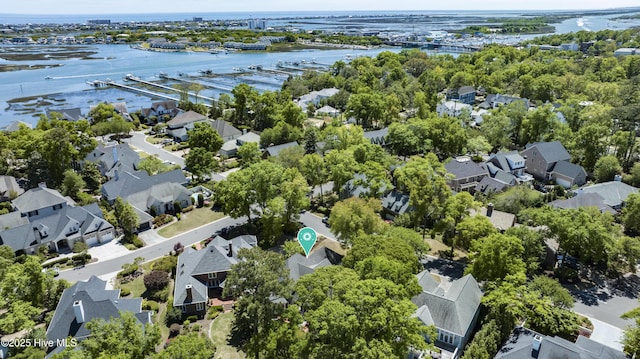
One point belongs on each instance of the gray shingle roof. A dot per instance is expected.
(185, 118)
(300, 265)
(38, 198)
(455, 310)
(275, 150)
(568, 169)
(396, 202)
(211, 259)
(69, 114)
(551, 151)
(377, 137)
(97, 302)
(583, 200)
(9, 184)
(114, 157)
(614, 192)
(464, 168)
(506, 160)
(128, 183)
(488, 184)
(225, 130)
(520, 346)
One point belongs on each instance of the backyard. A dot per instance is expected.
(219, 332)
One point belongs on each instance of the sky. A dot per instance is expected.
(69, 7)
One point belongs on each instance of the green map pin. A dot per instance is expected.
(307, 238)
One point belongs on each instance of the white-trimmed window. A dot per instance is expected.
(212, 275)
(213, 283)
(184, 308)
(200, 306)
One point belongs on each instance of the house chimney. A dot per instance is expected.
(42, 185)
(230, 254)
(79, 311)
(189, 287)
(114, 150)
(489, 209)
(535, 345)
(115, 175)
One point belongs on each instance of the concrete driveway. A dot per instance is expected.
(138, 141)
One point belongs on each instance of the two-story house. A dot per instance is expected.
(200, 275)
(85, 301)
(452, 108)
(178, 126)
(550, 161)
(43, 217)
(453, 311)
(160, 110)
(112, 157)
(464, 94)
(466, 174)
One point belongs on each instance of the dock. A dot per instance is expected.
(137, 79)
(207, 84)
(99, 83)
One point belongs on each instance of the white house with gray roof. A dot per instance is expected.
(613, 193)
(85, 301)
(453, 310)
(200, 275)
(43, 217)
(113, 157)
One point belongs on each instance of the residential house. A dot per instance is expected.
(327, 111)
(452, 108)
(509, 162)
(161, 110)
(275, 150)
(528, 344)
(9, 188)
(15, 126)
(43, 217)
(464, 94)
(120, 108)
(544, 162)
(200, 275)
(314, 97)
(499, 183)
(394, 204)
(466, 174)
(614, 193)
(230, 148)
(361, 186)
(226, 131)
(85, 301)
(69, 114)
(500, 220)
(300, 265)
(584, 200)
(178, 126)
(377, 137)
(497, 100)
(113, 157)
(453, 311)
(148, 194)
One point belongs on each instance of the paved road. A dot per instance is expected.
(605, 305)
(150, 252)
(186, 239)
(138, 140)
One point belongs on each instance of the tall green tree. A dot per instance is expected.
(496, 257)
(256, 279)
(248, 154)
(72, 184)
(354, 216)
(200, 162)
(631, 214)
(126, 216)
(204, 136)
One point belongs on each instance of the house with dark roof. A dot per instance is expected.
(394, 204)
(377, 137)
(15, 126)
(85, 301)
(9, 188)
(43, 217)
(510, 162)
(550, 161)
(178, 126)
(496, 184)
(466, 174)
(275, 150)
(464, 94)
(528, 344)
(145, 192)
(614, 193)
(500, 220)
(113, 157)
(453, 310)
(69, 114)
(361, 186)
(300, 265)
(582, 201)
(200, 274)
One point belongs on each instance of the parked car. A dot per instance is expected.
(325, 220)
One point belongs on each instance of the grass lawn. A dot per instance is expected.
(154, 140)
(219, 331)
(136, 287)
(190, 220)
(437, 247)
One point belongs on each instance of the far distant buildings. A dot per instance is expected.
(257, 24)
(99, 22)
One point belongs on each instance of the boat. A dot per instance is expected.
(237, 69)
(251, 67)
(48, 78)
